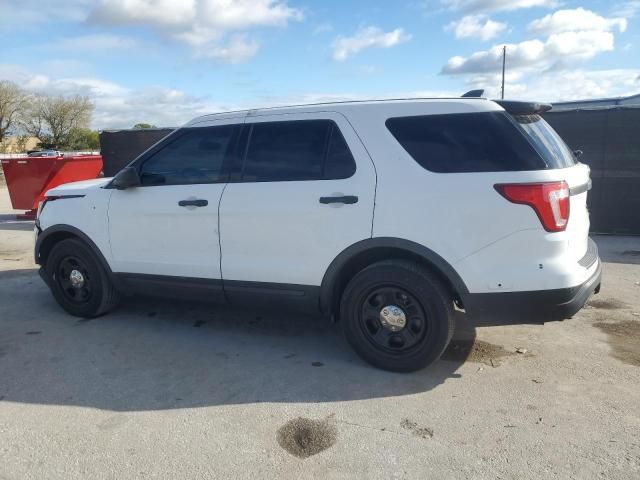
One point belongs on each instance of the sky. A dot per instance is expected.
(166, 61)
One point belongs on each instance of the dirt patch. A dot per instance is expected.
(476, 351)
(304, 437)
(607, 304)
(417, 430)
(624, 339)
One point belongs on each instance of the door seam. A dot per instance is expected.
(224, 291)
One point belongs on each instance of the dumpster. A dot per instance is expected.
(28, 178)
(121, 147)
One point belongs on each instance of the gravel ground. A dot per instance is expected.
(175, 390)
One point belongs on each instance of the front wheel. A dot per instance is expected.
(79, 283)
(397, 315)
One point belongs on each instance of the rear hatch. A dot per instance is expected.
(559, 158)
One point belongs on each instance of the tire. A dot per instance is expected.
(88, 295)
(380, 338)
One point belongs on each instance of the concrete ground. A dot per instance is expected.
(174, 390)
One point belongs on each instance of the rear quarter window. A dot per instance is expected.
(553, 150)
(466, 142)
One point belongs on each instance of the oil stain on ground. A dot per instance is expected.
(624, 339)
(304, 437)
(607, 304)
(417, 430)
(476, 351)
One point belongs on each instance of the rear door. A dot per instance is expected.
(305, 192)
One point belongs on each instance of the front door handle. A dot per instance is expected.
(346, 199)
(193, 203)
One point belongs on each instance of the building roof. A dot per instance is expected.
(631, 101)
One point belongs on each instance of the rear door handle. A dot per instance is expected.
(193, 203)
(346, 199)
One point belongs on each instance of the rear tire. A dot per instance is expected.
(78, 281)
(397, 315)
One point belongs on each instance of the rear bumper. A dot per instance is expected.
(533, 306)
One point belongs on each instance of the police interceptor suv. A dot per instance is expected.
(385, 215)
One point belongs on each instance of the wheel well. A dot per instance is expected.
(48, 243)
(363, 259)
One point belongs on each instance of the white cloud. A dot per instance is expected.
(368, 37)
(558, 50)
(496, 5)
(202, 24)
(476, 26)
(237, 50)
(323, 28)
(628, 9)
(562, 86)
(30, 14)
(104, 41)
(575, 20)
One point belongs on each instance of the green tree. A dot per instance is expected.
(83, 139)
(53, 119)
(13, 102)
(140, 126)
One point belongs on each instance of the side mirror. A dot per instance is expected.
(126, 178)
(578, 153)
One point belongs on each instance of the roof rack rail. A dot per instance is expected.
(474, 94)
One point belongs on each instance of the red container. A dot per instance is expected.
(28, 178)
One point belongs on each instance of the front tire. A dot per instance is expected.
(397, 315)
(79, 283)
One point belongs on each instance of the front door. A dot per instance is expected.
(168, 226)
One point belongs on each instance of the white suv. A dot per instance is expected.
(385, 215)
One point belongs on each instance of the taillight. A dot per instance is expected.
(550, 200)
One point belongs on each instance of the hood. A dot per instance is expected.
(78, 188)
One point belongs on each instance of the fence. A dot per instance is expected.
(610, 140)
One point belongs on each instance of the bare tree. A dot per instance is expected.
(13, 101)
(53, 119)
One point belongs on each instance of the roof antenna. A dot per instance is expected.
(474, 94)
(504, 63)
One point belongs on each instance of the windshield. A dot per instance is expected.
(546, 141)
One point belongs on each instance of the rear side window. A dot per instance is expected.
(466, 142)
(297, 150)
(546, 141)
(192, 155)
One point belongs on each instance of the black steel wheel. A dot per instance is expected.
(397, 315)
(393, 319)
(78, 281)
(74, 280)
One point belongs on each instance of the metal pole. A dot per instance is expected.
(504, 62)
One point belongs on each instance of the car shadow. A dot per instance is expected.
(155, 354)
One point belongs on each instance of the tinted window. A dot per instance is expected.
(340, 162)
(468, 142)
(546, 141)
(296, 150)
(192, 155)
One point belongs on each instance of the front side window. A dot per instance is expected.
(465, 142)
(192, 156)
(296, 150)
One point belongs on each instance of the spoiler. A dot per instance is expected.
(524, 108)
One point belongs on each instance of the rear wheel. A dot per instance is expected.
(397, 315)
(78, 281)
